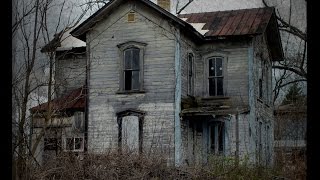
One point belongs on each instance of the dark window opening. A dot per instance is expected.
(74, 144)
(190, 74)
(131, 69)
(51, 143)
(215, 76)
(217, 138)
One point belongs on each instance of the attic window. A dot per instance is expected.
(131, 17)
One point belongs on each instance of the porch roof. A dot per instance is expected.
(74, 100)
(223, 110)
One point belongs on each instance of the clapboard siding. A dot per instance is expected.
(70, 73)
(159, 83)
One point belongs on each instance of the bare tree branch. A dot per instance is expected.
(181, 9)
(290, 69)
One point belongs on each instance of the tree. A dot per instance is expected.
(294, 95)
(33, 27)
(293, 68)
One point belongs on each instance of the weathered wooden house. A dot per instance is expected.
(187, 86)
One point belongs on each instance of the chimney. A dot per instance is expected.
(165, 4)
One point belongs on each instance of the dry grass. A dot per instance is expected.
(129, 166)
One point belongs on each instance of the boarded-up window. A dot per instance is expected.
(131, 17)
(215, 76)
(131, 69)
(130, 133)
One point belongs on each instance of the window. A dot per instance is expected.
(131, 70)
(190, 74)
(264, 75)
(131, 66)
(131, 17)
(51, 144)
(215, 76)
(130, 123)
(217, 137)
(75, 144)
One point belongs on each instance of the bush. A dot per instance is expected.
(128, 165)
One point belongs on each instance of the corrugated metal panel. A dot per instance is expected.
(234, 22)
(74, 100)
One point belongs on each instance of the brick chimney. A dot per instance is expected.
(165, 4)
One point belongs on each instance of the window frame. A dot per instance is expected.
(65, 139)
(205, 59)
(192, 76)
(122, 48)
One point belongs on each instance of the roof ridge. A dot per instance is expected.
(229, 10)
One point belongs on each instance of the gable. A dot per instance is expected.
(206, 26)
(81, 30)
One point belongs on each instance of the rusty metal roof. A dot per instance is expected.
(72, 101)
(232, 22)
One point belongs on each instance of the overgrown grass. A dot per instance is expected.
(132, 166)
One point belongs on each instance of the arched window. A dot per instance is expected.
(131, 69)
(215, 77)
(131, 66)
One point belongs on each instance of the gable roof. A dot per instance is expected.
(74, 100)
(207, 26)
(107, 9)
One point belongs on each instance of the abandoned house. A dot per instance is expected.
(188, 86)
